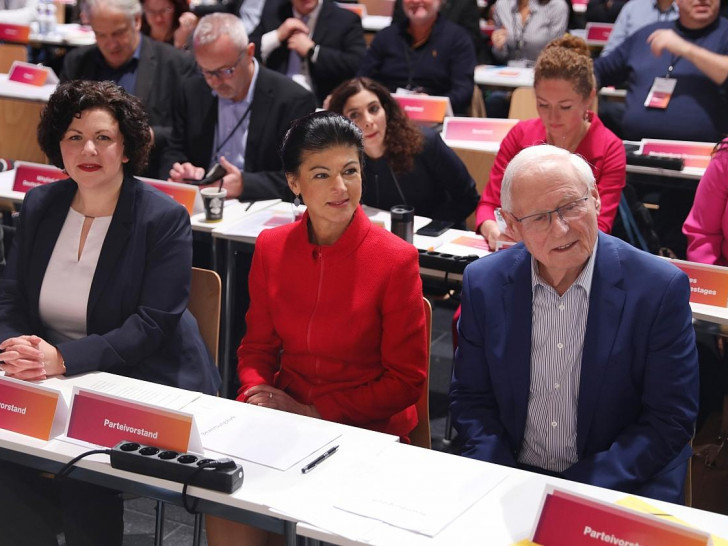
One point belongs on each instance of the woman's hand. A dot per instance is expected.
(270, 397)
(492, 233)
(499, 38)
(30, 358)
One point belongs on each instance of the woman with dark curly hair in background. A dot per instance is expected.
(404, 165)
(98, 279)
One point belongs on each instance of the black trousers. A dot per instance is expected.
(34, 508)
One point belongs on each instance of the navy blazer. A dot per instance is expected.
(638, 390)
(277, 102)
(338, 34)
(138, 324)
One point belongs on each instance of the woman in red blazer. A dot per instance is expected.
(336, 326)
(565, 88)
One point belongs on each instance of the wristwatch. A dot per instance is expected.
(312, 52)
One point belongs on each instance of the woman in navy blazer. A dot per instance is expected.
(137, 320)
(98, 279)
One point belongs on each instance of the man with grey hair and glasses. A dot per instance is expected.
(576, 353)
(146, 68)
(234, 113)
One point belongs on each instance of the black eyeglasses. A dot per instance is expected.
(221, 73)
(542, 220)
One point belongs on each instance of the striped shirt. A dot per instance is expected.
(526, 40)
(558, 325)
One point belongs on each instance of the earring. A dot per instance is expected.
(297, 201)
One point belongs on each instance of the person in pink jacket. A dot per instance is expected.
(706, 227)
(565, 89)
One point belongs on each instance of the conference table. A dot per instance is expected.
(373, 490)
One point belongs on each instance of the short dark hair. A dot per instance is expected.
(403, 140)
(72, 98)
(317, 132)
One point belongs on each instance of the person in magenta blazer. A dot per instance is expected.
(637, 391)
(706, 227)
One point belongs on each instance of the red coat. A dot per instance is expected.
(600, 147)
(348, 318)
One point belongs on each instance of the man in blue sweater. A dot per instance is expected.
(687, 61)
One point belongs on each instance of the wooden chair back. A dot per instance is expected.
(420, 435)
(205, 297)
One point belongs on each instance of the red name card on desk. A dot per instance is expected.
(477, 129)
(14, 33)
(708, 283)
(31, 409)
(424, 108)
(694, 154)
(567, 518)
(598, 33)
(30, 175)
(106, 420)
(31, 74)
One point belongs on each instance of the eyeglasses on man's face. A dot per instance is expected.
(222, 73)
(541, 221)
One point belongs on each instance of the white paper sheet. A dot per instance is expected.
(264, 436)
(419, 490)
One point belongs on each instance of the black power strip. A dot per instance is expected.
(220, 475)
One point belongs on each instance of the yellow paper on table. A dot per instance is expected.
(638, 505)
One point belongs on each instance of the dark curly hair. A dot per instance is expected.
(567, 58)
(72, 98)
(317, 132)
(403, 139)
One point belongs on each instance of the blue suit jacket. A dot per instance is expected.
(639, 374)
(138, 324)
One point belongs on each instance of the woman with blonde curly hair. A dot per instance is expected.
(565, 89)
(404, 164)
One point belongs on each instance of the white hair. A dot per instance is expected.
(131, 8)
(215, 25)
(535, 158)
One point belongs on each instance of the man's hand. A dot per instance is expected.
(667, 39)
(289, 27)
(180, 171)
(232, 181)
(300, 43)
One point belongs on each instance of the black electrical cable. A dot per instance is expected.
(222, 464)
(70, 465)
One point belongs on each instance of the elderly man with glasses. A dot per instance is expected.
(233, 113)
(576, 353)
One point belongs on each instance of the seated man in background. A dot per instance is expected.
(424, 53)
(234, 112)
(314, 42)
(635, 15)
(686, 59)
(146, 68)
(576, 353)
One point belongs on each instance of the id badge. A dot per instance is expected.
(660, 93)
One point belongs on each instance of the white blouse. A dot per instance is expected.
(67, 281)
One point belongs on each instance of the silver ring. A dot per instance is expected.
(270, 395)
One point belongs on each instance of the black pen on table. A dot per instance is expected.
(318, 460)
(249, 205)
